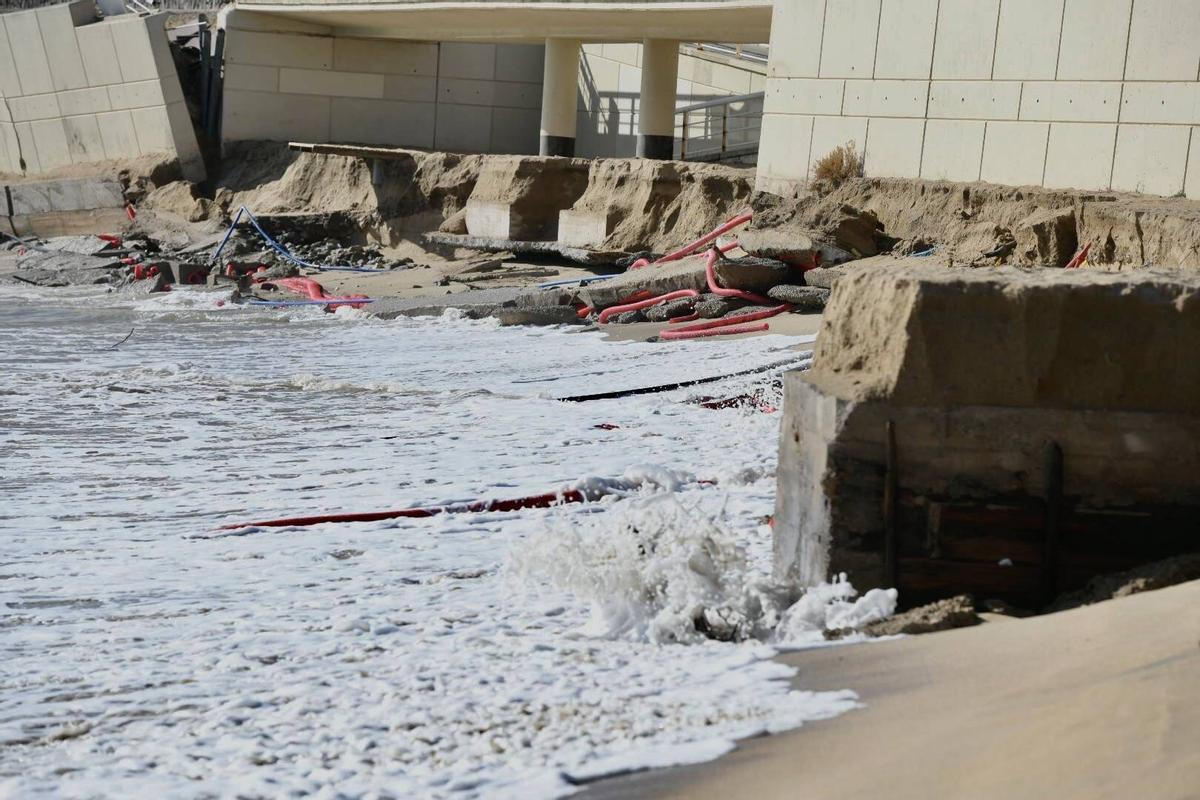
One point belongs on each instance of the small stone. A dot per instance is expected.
(671, 309)
(803, 298)
(630, 317)
(823, 277)
(717, 307)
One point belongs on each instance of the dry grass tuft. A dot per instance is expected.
(838, 166)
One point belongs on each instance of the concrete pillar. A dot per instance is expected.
(656, 116)
(559, 103)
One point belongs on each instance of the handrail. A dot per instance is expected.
(748, 143)
(737, 51)
(721, 101)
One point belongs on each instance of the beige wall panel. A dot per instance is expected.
(134, 52)
(832, 132)
(597, 77)
(84, 101)
(730, 80)
(1071, 101)
(28, 53)
(330, 83)
(1089, 50)
(906, 30)
(153, 129)
(467, 60)
(5, 114)
(62, 49)
(886, 98)
(849, 41)
(966, 39)
(1192, 181)
(785, 148)
(624, 53)
(99, 54)
(1014, 153)
(251, 78)
(83, 139)
(520, 62)
(518, 95)
(796, 33)
(272, 23)
(1027, 42)
(974, 99)
(383, 122)
(117, 134)
(273, 116)
(38, 106)
(894, 148)
(184, 137)
(1151, 159)
(466, 92)
(279, 50)
(1164, 43)
(9, 161)
(465, 129)
(27, 147)
(1170, 103)
(377, 55)
(953, 150)
(141, 94)
(9, 85)
(1080, 155)
(515, 131)
(51, 142)
(420, 89)
(804, 96)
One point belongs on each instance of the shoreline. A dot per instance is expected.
(1108, 688)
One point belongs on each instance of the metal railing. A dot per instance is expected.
(730, 127)
(756, 53)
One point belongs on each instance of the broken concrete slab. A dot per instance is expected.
(753, 274)
(520, 197)
(84, 244)
(498, 245)
(583, 228)
(76, 194)
(658, 279)
(792, 246)
(805, 299)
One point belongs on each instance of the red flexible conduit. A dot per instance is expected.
(609, 312)
(314, 290)
(687, 250)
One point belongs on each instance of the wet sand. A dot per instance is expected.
(1098, 702)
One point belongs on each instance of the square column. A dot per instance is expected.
(559, 97)
(656, 117)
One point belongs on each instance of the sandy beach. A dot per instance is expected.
(1099, 702)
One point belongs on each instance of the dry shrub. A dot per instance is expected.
(838, 166)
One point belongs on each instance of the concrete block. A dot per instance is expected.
(117, 135)
(1080, 155)
(252, 78)
(274, 116)
(1094, 35)
(38, 106)
(520, 62)
(83, 139)
(894, 148)
(1014, 153)
(28, 52)
(466, 129)
(419, 89)
(804, 96)
(26, 146)
(1071, 101)
(492, 219)
(153, 130)
(515, 131)
(99, 54)
(518, 95)
(848, 48)
(279, 50)
(62, 50)
(832, 132)
(953, 150)
(467, 60)
(582, 228)
(383, 122)
(966, 40)
(1163, 41)
(466, 92)
(84, 101)
(784, 151)
(1151, 159)
(1027, 40)
(886, 98)
(131, 38)
(51, 141)
(139, 94)
(796, 33)
(974, 99)
(9, 85)
(78, 194)
(1192, 180)
(381, 55)
(1170, 103)
(331, 83)
(906, 30)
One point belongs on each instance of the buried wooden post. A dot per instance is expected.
(1054, 482)
(891, 570)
